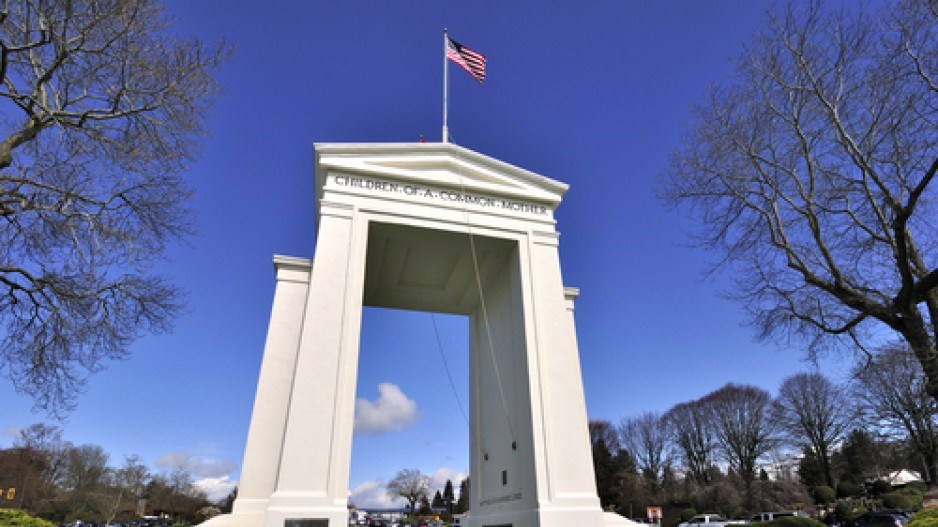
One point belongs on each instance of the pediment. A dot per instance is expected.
(439, 165)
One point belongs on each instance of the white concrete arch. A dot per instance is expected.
(398, 225)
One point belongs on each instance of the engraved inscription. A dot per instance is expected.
(501, 499)
(306, 522)
(440, 194)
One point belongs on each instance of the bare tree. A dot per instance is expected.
(184, 494)
(692, 434)
(810, 174)
(722, 497)
(174, 492)
(605, 434)
(646, 438)
(411, 485)
(100, 111)
(85, 481)
(742, 426)
(894, 400)
(128, 484)
(815, 413)
(40, 437)
(778, 495)
(42, 448)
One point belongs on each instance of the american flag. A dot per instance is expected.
(471, 61)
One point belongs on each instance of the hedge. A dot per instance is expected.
(794, 521)
(925, 513)
(17, 518)
(924, 518)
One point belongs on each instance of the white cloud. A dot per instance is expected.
(12, 432)
(372, 495)
(438, 479)
(215, 489)
(197, 467)
(391, 412)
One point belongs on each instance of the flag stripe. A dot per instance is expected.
(471, 61)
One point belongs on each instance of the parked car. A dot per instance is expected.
(769, 516)
(881, 519)
(902, 513)
(705, 520)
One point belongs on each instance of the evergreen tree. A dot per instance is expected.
(227, 502)
(614, 467)
(860, 456)
(462, 504)
(437, 502)
(605, 470)
(425, 506)
(809, 469)
(449, 498)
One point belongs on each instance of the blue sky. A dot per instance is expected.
(595, 94)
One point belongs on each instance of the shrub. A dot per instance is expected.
(925, 513)
(925, 521)
(897, 500)
(908, 499)
(823, 494)
(776, 495)
(793, 521)
(880, 487)
(721, 497)
(844, 511)
(16, 518)
(920, 486)
(847, 489)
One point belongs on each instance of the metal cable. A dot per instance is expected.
(485, 315)
(449, 374)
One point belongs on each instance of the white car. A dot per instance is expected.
(769, 516)
(706, 520)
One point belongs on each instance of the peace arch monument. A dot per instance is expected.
(430, 227)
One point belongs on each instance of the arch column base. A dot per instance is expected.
(544, 517)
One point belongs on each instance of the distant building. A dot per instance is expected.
(898, 478)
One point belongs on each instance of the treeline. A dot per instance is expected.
(414, 487)
(61, 482)
(740, 450)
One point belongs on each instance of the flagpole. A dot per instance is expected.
(445, 88)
